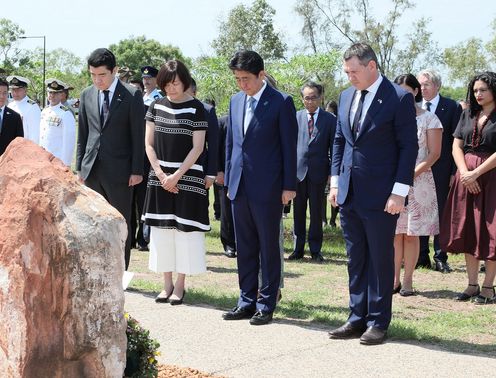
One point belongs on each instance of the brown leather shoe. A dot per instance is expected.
(346, 331)
(373, 336)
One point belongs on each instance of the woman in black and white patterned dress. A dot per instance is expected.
(176, 206)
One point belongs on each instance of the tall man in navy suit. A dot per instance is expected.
(316, 129)
(372, 169)
(448, 112)
(260, 178)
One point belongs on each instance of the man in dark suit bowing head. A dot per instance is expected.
(316, 129)
(372, 169)
(260, 177)
(10, 121)
(448, 112)
(111, 136)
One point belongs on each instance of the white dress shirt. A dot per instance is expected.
(256, 96)
(434, 103)
(111, 90)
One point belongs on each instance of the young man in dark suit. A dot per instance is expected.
(448, 112)
(10, 121)
(374, 155)
(111, 136)
(316, 129)
(260, 177)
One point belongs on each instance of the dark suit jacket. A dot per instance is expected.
(314, 153)
(211, 150)
(266, 155)
(118, 144)
(222, 143)
(11, 128)
(384, 151)
(448, 112)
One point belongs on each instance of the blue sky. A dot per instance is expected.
(192, 24)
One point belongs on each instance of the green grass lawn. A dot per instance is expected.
(317, 294)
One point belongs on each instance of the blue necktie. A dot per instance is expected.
(358, 114)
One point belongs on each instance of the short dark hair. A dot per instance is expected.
(487, 77)
(3, 83)
(332, 107)
(138, 82)
(172, 69)
(313, 85)
(363, 52)
(412, 82)
(102, 57)
(247, 60)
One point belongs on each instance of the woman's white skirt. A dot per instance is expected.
(176, 251)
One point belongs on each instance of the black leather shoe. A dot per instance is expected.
(261, 318)
(441, 266)
(230, 252)
(373, 336)
(175, 302)
(163, 297)
(238, 313)
(295, 256)
(346, 331)
(317, 257)
(143, 248)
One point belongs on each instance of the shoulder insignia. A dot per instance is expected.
(31, 102)
(64, 108)
(156, 97)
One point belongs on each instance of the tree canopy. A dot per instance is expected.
(250, 28)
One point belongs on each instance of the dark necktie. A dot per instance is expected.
(428, 106)
(358, 113)
(105, 107)
(311, 122)
(1, 120)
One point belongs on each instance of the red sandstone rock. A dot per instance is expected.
(61, 265)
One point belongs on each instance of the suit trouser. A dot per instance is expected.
(118, 194)
(257, 227)
(442, 175)
(369, 237)
(311, 193)
(139, 194)
(226, 221)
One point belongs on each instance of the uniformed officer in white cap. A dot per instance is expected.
(27, 108)
(57, 126)
(149, 77)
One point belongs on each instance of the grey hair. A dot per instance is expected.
(432, 76)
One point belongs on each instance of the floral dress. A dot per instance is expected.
(420, 217)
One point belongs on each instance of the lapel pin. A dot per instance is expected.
(379, 101)
(265, 103)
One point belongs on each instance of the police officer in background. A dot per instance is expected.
(124, 74)
(65, 99)
(57, 126)
(27, 108)
(152, 93)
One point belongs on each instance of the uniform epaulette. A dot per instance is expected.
(31, 101)
(64, 108)
(156, 97)
(161, 93)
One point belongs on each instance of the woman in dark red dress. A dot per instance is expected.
(469, 219)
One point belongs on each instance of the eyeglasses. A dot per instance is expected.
(310, 98)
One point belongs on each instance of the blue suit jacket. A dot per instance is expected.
(314, 153)
(384, 151)
(266, 156)
(211, 150)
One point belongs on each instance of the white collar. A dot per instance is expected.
(257, 95)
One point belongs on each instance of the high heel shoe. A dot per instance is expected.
(482, 300)
(464, 297)
(175, 302)
(397, 289)
(163, 298)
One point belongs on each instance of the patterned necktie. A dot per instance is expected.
(428, 106)
(311, 123)
(358, 113)
(105, 107)
(250, 111)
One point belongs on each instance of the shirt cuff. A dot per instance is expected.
(212, 177)
(400, 189)
(334, 181)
